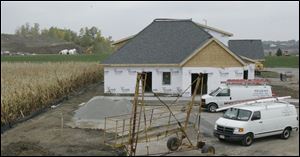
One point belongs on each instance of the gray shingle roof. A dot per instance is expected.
(252, 49)
(161, 42)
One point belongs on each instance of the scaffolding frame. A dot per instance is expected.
(135, 118)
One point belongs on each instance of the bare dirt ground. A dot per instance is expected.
(284, 88)
(43, 135)
(267, 146)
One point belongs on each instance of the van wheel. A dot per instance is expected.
(221, 140)
(247, 140)
(286, 133)
(212, 107)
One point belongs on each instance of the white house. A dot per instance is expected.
(173, 52)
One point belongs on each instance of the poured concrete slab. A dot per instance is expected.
(92, 114)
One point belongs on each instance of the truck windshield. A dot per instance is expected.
(215, 92)
(237, 114)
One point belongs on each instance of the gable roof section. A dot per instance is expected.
(238, 58)
(161, 42)
(252, 49)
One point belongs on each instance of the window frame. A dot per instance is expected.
(163, 78)
(224, 95)
(253, 115)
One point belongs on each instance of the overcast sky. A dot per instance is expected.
(246, 20)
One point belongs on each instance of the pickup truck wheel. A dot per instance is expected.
(286, 133)
(247, 140)
(212, 107)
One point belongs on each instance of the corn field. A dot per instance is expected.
(28, 87)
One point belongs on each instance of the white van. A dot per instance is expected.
(226, 94)
(246, 122)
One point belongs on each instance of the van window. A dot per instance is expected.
(224, 92)
(237, 114)
(213, 93)
(256, 115)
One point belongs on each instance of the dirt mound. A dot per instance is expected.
(24, 149)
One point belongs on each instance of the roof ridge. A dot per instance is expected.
(210, 36)
(215, 29)
(170, 19)
(243, 39)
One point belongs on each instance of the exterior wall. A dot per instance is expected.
(213, 55)
(214, 78)
(122, 79)
(221, 37)
(251, 71)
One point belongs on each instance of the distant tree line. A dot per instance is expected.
(88, 38)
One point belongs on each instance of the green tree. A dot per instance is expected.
(35, 30)
(90, 39)
(279, 52)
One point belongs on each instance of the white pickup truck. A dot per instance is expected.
(226, 94)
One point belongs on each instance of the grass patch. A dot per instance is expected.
(282, 61)
(56, 58)
(284, 91)
(269, 74)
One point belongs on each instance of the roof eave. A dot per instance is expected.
(123, 39)
(141, 65)
(215, 29)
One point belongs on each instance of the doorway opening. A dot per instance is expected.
(245, 74)
(148, 87)
(194, 77)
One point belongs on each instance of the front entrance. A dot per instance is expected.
(194, 77)
(245, 75)
(148, 87)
